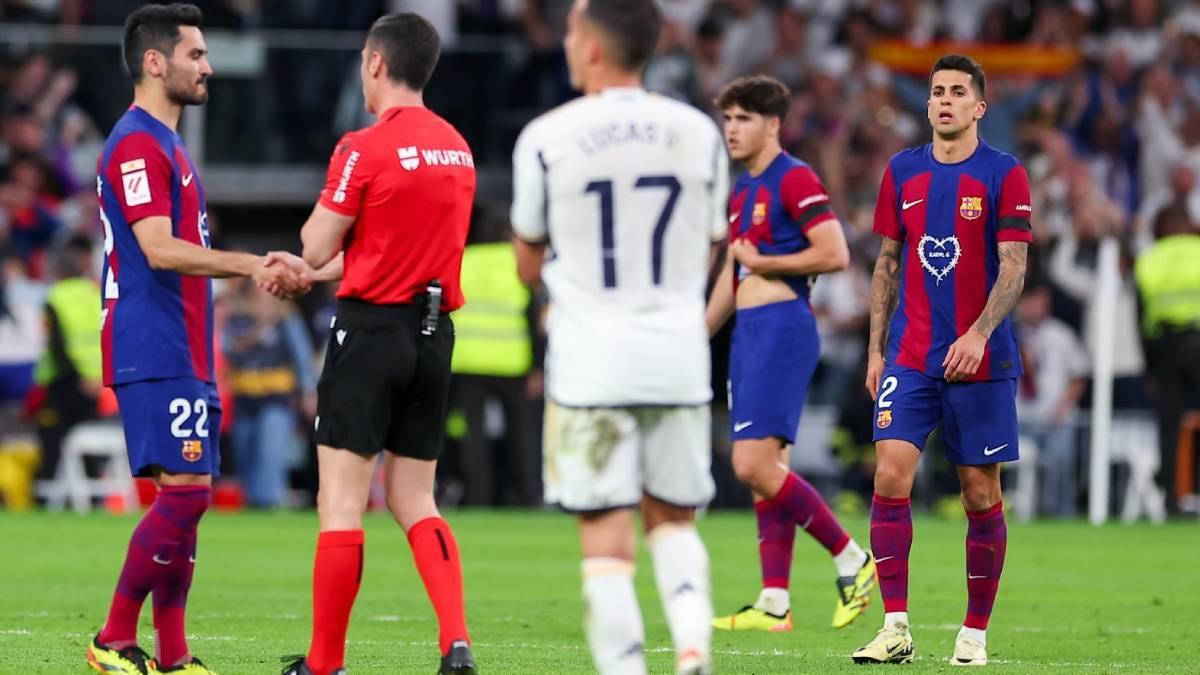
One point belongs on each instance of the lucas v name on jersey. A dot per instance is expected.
(615, 134)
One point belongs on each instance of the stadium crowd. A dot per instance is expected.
(1099, 98)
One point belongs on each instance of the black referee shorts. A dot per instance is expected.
(384, 385)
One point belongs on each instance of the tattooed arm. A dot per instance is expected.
(884, 287)
(967, 352)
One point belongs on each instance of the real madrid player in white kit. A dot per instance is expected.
(618, 197)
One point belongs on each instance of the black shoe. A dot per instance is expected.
(297, 666)
(458, 660)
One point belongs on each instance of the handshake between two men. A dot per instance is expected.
(286, 275)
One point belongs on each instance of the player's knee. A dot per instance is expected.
(408, 510)
(980, 496)
(339, 510)
(750, 469)
(892, 481)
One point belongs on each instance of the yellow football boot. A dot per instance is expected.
(127, 661)
(752, 618)
(854, 593)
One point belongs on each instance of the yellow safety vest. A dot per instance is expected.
(1168, 277)
(491, 330)
(76, 304)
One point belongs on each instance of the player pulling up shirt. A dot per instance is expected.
(782, 234)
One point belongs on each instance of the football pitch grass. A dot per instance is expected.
(1120, 599)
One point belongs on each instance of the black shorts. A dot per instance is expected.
(384, 385)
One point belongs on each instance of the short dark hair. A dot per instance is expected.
(760, 94)
(632, 28)
(963, 64)
(155, 27)
(410, 47)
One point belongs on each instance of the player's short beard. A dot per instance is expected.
(180, 95)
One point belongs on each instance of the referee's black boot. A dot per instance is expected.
(458, 660)
(299, 667)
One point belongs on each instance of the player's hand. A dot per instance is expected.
(875, 364)
(746, 252)
(283, 275)
(964, 356)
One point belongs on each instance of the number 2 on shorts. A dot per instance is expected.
(886, 388)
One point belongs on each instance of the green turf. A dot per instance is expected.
(1074, 598)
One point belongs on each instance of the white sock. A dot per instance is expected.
(893, 618)
(612, 619)
(975, 634)
(681, 570)
(775, 601)
(850, 560)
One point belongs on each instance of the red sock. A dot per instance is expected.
(987, 539)
(891, 542)
(776, 538)
(811, 513)
(188, 504)
(436, 555)
(157, 537)
(337, 574)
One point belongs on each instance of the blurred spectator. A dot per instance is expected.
(839, 301)
(1139, 33)
(789, 56)
(21, 332)
(710, 42)
(749, 37)
(493, 358)
(27, 214)
(543, 81)
(1073, 271)
(269, 356)
(1168, 278)
(69, 371)
(672, 72)
(1056, 368)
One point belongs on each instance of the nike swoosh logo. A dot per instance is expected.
(733, 218)
(160, 561)
(889, 557)
(976, 576)
(908, 205)
(742, 425)
(988, 452)
(807, 523)
(187, 180)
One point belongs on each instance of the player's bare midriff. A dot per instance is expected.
(757, 290)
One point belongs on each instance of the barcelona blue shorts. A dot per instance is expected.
(978, 419)
(171, 424)
(771, 361)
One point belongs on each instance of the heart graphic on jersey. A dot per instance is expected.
(939, 256)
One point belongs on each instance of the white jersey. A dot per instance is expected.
(628, 189)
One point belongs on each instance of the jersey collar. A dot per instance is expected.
(392, 112)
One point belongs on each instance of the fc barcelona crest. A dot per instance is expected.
(192, 450)
(760, 214)
(884, 420)
(971, 207)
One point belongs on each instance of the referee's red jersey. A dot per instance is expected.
(409, 181)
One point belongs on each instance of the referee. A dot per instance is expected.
(391, 223)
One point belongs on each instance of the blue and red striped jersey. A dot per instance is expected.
(156, 324)
(951, 219)
(775, 211)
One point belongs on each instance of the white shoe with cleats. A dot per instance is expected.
(968, 652)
